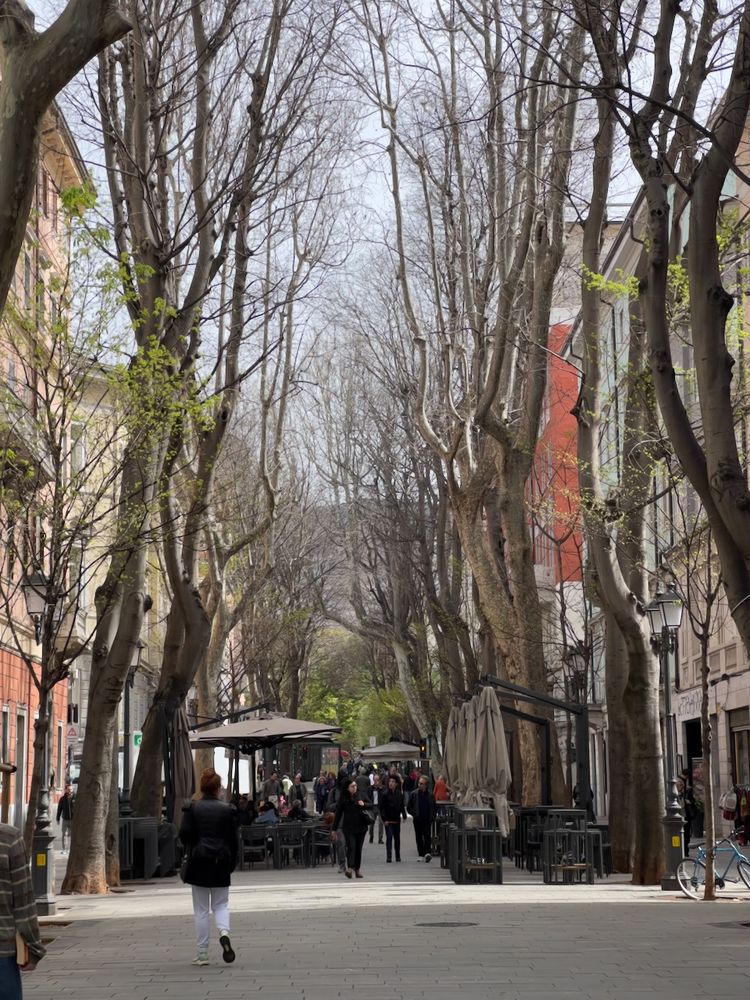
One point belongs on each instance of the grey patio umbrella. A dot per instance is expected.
(179, 769)
(493, 764)
(462, 778)
(472, 795)
(450, 750)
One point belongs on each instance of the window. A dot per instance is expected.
(12, 375)
(59, 767)
(44, 185)
(27, 281)
(77, 573)
(78, 452)
(739, 730)
(41, 301)
(730, 657)
(5, 734)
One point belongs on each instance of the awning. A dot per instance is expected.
(254, 734)
(392, 751)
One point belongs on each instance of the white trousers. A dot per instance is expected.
(205, 900)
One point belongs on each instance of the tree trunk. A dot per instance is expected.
(641, 700)
(709, 821)
(619, 752)
(86, 871)
(146, 795)
(112, 833)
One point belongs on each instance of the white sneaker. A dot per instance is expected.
(201, 958)
(428, 858)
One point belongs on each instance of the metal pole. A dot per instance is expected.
(673, 819)
(43, 856)
(125, 807)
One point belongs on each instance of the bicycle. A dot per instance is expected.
(691, 872)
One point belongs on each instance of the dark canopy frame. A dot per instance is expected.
(581, 713)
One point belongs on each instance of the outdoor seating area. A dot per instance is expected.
(560, 844)
(305, 843)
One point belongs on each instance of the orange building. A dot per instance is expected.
(554, 500)
(34, 300)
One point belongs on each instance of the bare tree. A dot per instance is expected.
(182, 169)
(478, 165)
(34, 68)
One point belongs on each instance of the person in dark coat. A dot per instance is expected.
(352, 823)
(209, 833)
(422, 809)
(337, 792)
(391, 805)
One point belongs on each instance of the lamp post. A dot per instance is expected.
(665, 616)
(125, 808)
(35, 591)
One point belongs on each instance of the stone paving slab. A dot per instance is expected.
(310, 934)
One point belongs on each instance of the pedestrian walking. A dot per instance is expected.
(376, 790)
(352, 823)
(392, 811)
(297, 792)
(321, 789)
(272, 788)
(17, 914)
(209, 833)
(334, 797)
(422, 809)
(65, 815)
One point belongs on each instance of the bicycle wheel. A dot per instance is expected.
(743, 867)
(691, 876)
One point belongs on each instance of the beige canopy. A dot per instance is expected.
(392, 751)
(254, 734)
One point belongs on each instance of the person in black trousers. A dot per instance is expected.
(352, 823)
(392, 810)
(422, 809)
(209, 833)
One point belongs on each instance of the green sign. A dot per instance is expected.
(137, 737)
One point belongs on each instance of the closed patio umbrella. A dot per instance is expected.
(450, 750)
(462, 782)
(493, 764)
(472, 795)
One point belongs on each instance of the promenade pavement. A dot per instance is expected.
(405, 932)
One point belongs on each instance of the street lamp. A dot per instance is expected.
(35, 590)
(665, 615)
(125, 808)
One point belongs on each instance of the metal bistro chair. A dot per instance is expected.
(292, 839)
(321, 844)
(253, 845)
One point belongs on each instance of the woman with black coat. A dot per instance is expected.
(352, 821)
(209, 833)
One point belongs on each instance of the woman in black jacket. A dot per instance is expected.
(209, 833)
(351, 820)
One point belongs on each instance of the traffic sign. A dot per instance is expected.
(72, 732)
(137, 738)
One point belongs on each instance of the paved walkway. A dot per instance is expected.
(403, 933)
